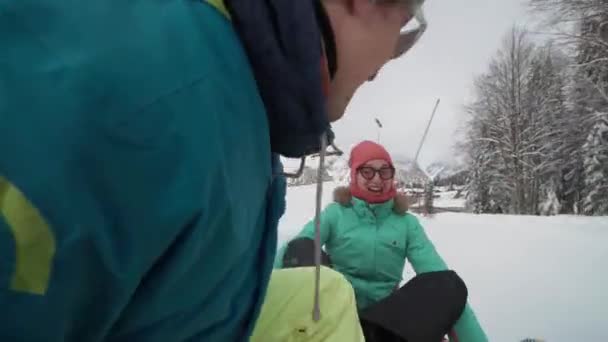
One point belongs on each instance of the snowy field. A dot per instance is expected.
(446, 199)
(528, 276)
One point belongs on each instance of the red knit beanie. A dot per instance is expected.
(361, 154)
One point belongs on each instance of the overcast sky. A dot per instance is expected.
(461, 38)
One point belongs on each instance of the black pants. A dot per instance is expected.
(425, 309)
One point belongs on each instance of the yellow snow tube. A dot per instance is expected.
(286, 315)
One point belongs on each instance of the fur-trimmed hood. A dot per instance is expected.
(343, 196)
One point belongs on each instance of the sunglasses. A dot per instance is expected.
(413, 28)
(369, 172)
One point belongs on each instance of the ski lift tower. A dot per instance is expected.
(426, 131)
(379, 124)
(428, 187)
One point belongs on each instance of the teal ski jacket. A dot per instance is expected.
(370, 243)
(140, 184)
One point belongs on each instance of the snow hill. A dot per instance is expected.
(528, 276)
(445, 173)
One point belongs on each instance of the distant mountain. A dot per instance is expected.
(408, 173)
(437, 169)
(447, 173)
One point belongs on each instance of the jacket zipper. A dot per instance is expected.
(375, 261)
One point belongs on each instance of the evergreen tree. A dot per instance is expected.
(596, 167)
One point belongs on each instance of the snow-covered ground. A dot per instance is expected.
(527, 276)
(447, 200)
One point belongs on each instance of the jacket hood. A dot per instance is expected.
(344, 197)
(283, 41)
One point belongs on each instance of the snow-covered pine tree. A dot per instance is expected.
(587, 84)
(588, 89)
(593, 68)
(549, 130)
(575, 132)
(477, 184)
(596, 167)
(473, 151)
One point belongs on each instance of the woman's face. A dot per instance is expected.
(375, 176)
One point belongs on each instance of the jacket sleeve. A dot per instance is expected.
(328, 221)
(424, 257)
(421, 252)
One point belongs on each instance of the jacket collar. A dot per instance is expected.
(378, 210)
(399, 205)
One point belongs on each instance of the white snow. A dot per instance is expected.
(528, 276)
(446, 199)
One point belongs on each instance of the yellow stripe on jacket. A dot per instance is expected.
(220, 6)
(33, 238)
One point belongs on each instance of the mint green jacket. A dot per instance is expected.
(370, 244)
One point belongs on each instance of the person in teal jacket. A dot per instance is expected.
(140, 180)
(368, 236)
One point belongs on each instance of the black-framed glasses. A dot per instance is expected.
(385, 172)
